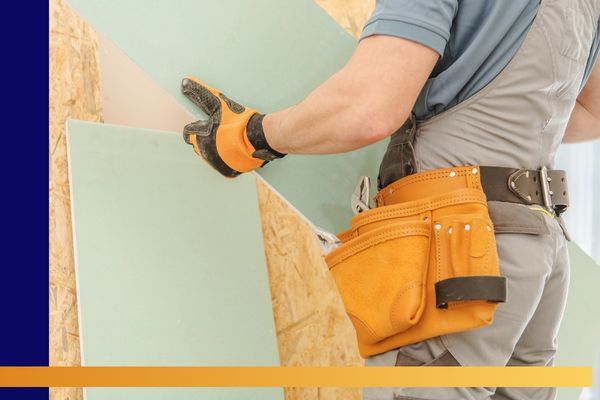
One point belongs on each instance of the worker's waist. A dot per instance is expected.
(543, 187)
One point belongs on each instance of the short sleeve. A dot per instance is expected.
(427, 22)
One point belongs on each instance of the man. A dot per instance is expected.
(489, 83)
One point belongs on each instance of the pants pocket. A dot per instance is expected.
(446, 359)
(381, 277)
(429, 353)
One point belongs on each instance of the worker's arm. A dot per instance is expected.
(364, 102)
(584, 123)
(367, 100)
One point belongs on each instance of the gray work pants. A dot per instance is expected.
(523, 333)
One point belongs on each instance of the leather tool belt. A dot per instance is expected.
(543, 187)
(422, 264)
(547, 188)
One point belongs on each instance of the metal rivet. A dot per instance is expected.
(474, 171)
(489, 228)
(513, 185)
(467, 227)
(438, 227)
(452, 174)
(450, 230)
(529, 198)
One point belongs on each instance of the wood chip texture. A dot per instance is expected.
(74, 93)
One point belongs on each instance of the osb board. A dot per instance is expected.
(74, 93)
(350, 14)
(312, 328)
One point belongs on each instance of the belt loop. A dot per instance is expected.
(546, 192)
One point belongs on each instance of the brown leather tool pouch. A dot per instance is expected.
(422, 264)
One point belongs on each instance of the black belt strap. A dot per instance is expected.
(470, 288)
(543, 187)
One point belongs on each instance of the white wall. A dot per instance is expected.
(582, 163)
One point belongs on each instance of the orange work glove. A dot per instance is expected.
(232, 140)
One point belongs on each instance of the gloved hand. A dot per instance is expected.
(232, 140)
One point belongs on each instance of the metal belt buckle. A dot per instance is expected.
(546, 192)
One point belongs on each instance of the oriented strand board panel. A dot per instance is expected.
(74, 93)
(312, 326)
(170, 261)
(267, 54)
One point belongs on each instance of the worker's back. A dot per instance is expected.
(504, 89)
(518, 119)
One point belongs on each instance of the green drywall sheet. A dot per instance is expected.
(579, 336)
(170, 261)
(266, 54)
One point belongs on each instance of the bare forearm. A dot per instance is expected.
(329, 120)
(364, 102)
(584, 123)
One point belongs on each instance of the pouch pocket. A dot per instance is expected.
(467, 264)
(381, 278)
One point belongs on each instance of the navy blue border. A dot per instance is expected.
(24, 287)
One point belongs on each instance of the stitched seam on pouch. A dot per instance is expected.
(438, 255)
(363, 323)
(403, 212)
(428, 176)
(414, 284)
(486, 265)
(440, 199)
(351, 250)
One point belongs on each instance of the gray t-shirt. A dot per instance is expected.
(475, 38)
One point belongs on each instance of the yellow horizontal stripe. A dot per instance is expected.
(294, 376)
